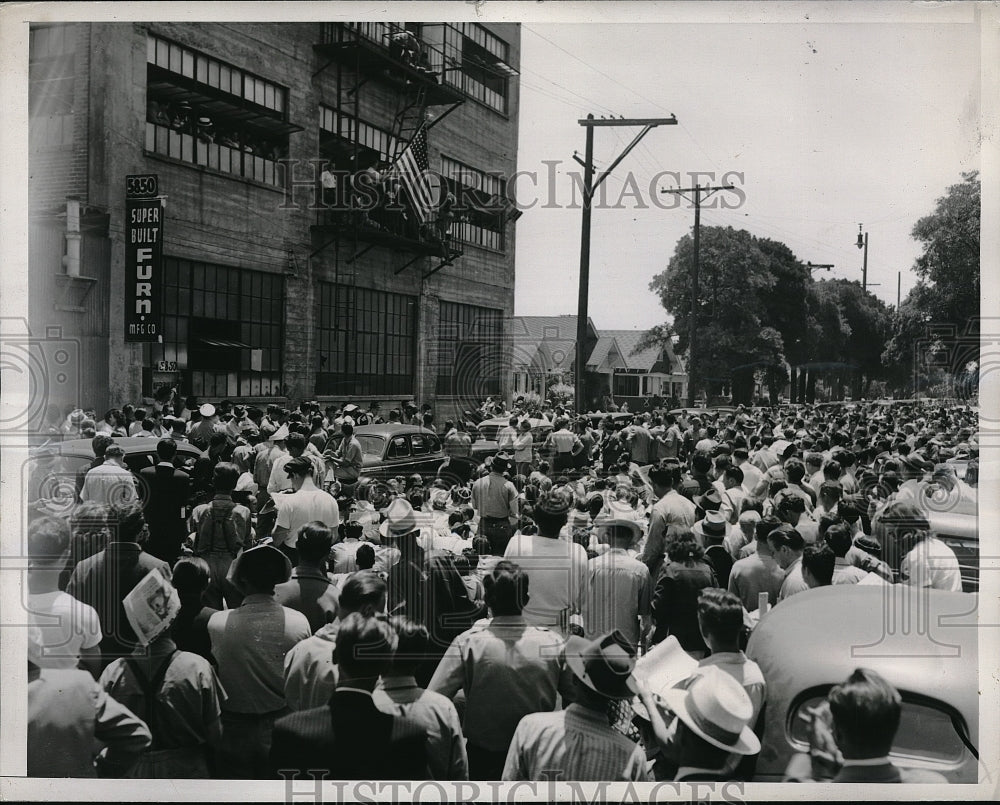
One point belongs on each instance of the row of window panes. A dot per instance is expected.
(366, 339)
(188, 148)
(486, 40)
(51, 131)
(52, 40)
(477, 235)
(330, 120)
(214, 73)
(484, 94)
(471, 177)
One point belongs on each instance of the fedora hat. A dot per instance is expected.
(717, 709)
(712, 498)
(280, 434)
(604, 665)
(714, 524)
(263, 556)
(207, 410)
(399, 519)
(618, 522)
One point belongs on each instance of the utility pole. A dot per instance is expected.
(698, 191)
(899, 285)
(863, 243)
(589, 187)
(810, 267)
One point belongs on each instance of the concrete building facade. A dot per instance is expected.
(266, 294)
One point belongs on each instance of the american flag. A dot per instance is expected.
(411, 170)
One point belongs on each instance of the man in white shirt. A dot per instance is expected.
(110, 483)
(69, 630)
(557, 568)
(926, 561)
(507, 435)
(306, 503)
(671, 509)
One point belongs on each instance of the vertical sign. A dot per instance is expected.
(143, 258)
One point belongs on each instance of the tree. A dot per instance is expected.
(759, 312)
(935, 331)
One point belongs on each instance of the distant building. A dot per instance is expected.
(630, 374)
(543, 350)
(267, 294)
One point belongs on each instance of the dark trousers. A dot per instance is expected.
(485, 764)
(498, 531)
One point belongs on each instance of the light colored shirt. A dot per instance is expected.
(506, 437)
(250, 644)
(310, 675)
(109, 484)
(793, 582)
(846, 573)
(350, 468)
(343, 556)
(673, 509)
(618, 592)
(754, 575)
(298, 508)
(507, 669)
(557, 578)
(931, 563)
(446, 756)
(494, 496)
(562, 440)
(574, 744)
(524, 445)
(67, 626)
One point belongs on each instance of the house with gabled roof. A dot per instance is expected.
(543, 347)
(637, 373)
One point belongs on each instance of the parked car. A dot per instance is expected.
(815, 639)
(51, 471)
(391, 450)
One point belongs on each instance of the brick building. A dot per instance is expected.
(267, 295)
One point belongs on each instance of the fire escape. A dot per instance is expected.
(424, 77)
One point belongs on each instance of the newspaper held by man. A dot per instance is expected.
(151, 607)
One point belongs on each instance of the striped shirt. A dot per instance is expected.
(573, 744)
(618, 592)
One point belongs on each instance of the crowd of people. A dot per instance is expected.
(268, 609)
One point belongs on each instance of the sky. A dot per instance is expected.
(827, 124)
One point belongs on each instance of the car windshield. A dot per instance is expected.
(371, 445)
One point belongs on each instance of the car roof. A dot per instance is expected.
(391, 429)
(130, 444)
(803, 642)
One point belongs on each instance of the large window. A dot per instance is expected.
(367, 341)
(484, 69)
(222, 329)
(481, 201)
(626, 386)
(470, 351)
(51, 77)
(204, 111)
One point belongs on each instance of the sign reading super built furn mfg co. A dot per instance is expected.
(143, 258)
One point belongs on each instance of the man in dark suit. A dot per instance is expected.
(166, 490)
(103, 580)
(349, 738)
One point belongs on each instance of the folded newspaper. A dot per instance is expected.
(151, 607)
(662, 668)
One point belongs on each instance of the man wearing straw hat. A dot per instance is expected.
(578, 743)
(714, 714)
